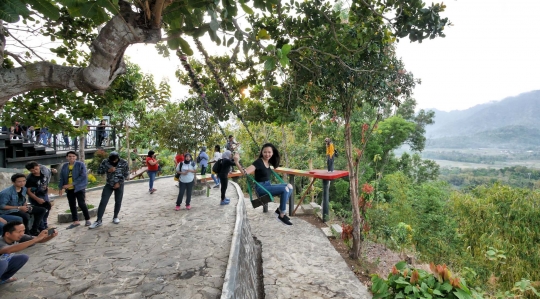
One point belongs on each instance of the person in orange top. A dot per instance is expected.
(329, 154)
(153, 165)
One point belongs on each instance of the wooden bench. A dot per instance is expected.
(139, 173)
(208, 177)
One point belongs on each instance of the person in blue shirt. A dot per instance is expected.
(74, 180)
(203, 157)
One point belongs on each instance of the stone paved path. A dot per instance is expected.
(299, 261)
(155, 252)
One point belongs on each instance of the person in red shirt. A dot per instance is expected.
(178, 159)
(153, 165)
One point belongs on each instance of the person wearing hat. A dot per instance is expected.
(153, 166)
(117, 171)
(203, 160)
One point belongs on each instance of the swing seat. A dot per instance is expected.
(260, 201)
(256, 199)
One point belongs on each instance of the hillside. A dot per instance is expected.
(513, 122)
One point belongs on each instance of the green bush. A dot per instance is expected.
(405, 282)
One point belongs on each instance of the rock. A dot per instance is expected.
(66, 217)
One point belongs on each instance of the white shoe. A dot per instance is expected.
(116, 220)
(95, 225)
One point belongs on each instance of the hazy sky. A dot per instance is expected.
(490, 53)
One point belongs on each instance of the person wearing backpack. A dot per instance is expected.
(222, 168)
(330, 153)
(217, 157)
(187, 172)
(202, 160)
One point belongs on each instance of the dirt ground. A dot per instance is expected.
(376, 258)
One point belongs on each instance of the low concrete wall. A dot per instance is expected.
(242, 275)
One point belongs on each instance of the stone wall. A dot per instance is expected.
(244, 266)
(5, 176)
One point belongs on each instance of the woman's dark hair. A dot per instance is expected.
(16, 176)
(72, 153)
(274, 161)
(217, 148)
(10, 227)
(151, 153)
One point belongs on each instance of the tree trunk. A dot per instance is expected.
(358, 222)
(130, 163)
(2, 43)
(106, 61)
(82, 140)
(310, 162)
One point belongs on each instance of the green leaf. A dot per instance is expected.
(238, 35)
(263, 34)
(461, 294)
(247, 9)
(401, 266)
(230, 41)
(10, 10)
(185, 46)
(270, 64)
(286, 49)
(446, 287)
(437, 292)
(408, 289)
(284, 61)
(110, 5)
(214, 25)
(45, 7)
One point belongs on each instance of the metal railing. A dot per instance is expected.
(59, 141)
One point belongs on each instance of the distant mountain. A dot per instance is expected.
(513, 122)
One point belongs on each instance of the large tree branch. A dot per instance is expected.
(106, 61)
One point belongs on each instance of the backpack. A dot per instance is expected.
(217, 167)
(336, 154)
(199, 159)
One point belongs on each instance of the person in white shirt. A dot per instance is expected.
(187, 170)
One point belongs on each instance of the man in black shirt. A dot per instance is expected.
(37, 184)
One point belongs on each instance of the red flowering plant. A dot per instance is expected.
(404, 282)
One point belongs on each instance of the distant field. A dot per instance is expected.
(504, 158)
(449, 164)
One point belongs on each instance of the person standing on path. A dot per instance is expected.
(153, 165)
(263, 175)
(100, 133)
(117, 171)
(217, 157)
(329, 154)
(187, 172)
(203, 160)
(74, 180)
(226, 164)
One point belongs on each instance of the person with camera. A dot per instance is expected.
(14, 240)
(13, 202)
(37, 187)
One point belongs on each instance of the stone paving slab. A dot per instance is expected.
(155, 252)
(299, 261)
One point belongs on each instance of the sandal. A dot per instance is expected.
(9, 280)
(73, 225)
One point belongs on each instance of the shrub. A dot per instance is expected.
(404, 282)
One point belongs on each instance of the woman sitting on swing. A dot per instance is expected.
(263, 174)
